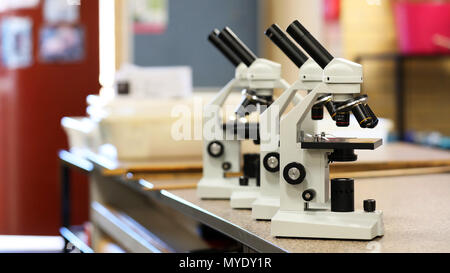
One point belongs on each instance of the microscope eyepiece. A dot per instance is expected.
(222, 47)
(235, 44)
(302, 36)
(277, 36)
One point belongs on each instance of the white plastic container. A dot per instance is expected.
(145, 137)
(82, 134)
(142, 129)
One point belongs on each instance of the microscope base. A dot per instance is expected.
(243, 197)
(264, 208)
(358, 225)
(220, 188)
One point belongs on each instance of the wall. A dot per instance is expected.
(370, 29)
(306, 11)
(185, 40)
(32, 102)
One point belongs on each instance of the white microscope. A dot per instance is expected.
(308, 207)
(222, 142)
(310, 75)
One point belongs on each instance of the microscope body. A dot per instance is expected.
(268, 200)
(222, 148)
(306, 208)
(221, 151)
(263, 77)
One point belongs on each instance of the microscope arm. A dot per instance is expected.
(223, 94)
(271, 117)
(298, 114)
(285, 85)
(213, 108)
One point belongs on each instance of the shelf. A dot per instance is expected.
(73, 236)
(125, 231)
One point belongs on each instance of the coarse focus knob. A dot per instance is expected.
(272, 162)
(215, 149)
(370, 205)
(294, 173)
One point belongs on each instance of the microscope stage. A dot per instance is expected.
(344, 143)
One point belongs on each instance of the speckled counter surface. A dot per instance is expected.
(416, 216)
(400, 151)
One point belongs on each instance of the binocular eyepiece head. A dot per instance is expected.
(213, 37)
(340, 111)
(227, 42)
(277, 36)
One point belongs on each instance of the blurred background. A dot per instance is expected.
(55, 53)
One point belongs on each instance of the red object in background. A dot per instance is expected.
(332, 10)
(32, 102)
(419, 25)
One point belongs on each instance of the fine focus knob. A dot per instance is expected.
(370, 205)
(308, 195)
(226, 166)
(243, 181)
(215, 149)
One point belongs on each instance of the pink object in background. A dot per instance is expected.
(421, 25)
(332, 10)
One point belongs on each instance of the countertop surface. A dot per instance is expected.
(397, 154)
(416, 208)
(416, 216)
(400, 151)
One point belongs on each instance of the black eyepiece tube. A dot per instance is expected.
(235, 44)
(302, 36)
(222, 47)
(286, 45)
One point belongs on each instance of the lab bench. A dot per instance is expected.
(128, 209)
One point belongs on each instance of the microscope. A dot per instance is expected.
(310, 75)
(222, 141)
(312, 206)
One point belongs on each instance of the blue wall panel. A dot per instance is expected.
(185, 40)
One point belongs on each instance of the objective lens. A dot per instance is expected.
(317, 109)
(317, 112)
(342, 119)
(331, 109)
(363, 118)
(374, 122)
